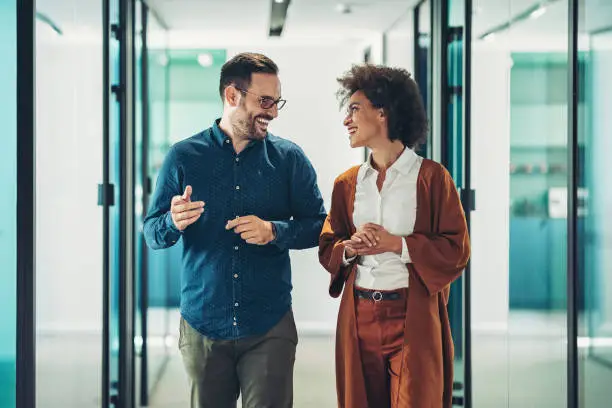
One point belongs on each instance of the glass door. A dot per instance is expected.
(109, 196)
(69, 226)
(594, 200)
(422, 61)
(8, 203)
(451, 146)
(142, 192)
(117, 198)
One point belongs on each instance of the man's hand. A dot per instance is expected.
(184, 211)
(252, 229)
(372, 239)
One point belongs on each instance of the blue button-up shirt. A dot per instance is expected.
(231, 289)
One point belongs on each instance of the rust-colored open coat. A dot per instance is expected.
(439, 248)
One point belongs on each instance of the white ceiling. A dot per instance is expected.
(227, 22)
(304, 16)
(246, 21)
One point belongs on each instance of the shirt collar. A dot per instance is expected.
(219, 135)
(402, 165)
(221, 138)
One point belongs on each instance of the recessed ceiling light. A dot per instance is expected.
(279, 1)
(205, 59)
(539, 12)
(489, 37)
(343, 8)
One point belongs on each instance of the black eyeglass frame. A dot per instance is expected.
(265, 102)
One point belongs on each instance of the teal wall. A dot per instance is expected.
(538, 155)
(8, 200)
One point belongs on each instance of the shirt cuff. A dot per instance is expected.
(346, 262)
(174, 234)
(280, 233)
(405, 256)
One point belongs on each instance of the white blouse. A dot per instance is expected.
(394, 207)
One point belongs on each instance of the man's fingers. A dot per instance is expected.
(176, 200)
(184, 215)
(248, 235)
(238, 221)
(187, 193)
(187, 222)
(245, 228)
(255, 241)
(179, 208)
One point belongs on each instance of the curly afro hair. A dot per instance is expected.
(393, 90)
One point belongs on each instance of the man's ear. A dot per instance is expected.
(232, 96)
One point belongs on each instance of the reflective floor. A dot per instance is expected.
(504, 371)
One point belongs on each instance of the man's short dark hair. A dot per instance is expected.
(393, 90)
(238, 70)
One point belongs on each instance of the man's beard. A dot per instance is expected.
(249, 129)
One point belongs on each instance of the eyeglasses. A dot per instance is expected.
(265, 101)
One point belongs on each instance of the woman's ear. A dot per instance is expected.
(382, 115)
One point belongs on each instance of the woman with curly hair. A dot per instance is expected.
(394, 240)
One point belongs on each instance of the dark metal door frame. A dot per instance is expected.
(441, 38)
(26, 205)
(146, 191)
(123, 31)
(572, 208)
(126, 205)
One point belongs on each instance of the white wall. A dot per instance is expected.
(600, 197)
(399, 48)
(69, 167)
(400, 51)
(312, 118)
(490, 232)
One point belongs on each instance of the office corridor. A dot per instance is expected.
(97, 92)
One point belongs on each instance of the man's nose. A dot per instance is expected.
(273, 111)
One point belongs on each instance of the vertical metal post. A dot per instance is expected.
(26, 205)
(105, 204)
(145, 182)
(467, 200)
(572, 209)
(126, 205)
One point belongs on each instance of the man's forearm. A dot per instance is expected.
(298, 233)
(160, 232)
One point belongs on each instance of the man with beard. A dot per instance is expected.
(240, 198)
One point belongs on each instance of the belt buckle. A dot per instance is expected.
(377, 296)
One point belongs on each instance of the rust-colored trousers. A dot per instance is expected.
(380, 329)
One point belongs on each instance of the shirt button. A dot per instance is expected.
(236, 304)
(237, 187)
(227, 140)
(236, 248)
(235, 324)
(237, 159)
(236, 275)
